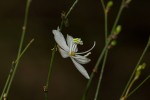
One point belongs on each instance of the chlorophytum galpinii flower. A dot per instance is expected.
(68, 48)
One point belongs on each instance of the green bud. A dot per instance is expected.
(138, 70)
(141, 67)
(109, 4)
(113, 43)
(118, 29)
(137, 75)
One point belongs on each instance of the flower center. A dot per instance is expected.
(72, 53)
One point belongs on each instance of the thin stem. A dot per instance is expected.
(129, 87)
(24, 50)
(24, 27)
(103, 5)
(95, 70)
(20, 49)
(139, 61)
(118, 17)
(12, 67)
(101, 75)
(5, 87)
(68, 13)
(103, 52)
(53, 53)
(138, 86)
(71, 8)
(51, 63)
(7, 81)
(106, 52)
(49, 72)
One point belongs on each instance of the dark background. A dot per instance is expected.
(86, 21)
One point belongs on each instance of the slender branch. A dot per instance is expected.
(12, 68)
(138, 86)
(10, 78)
(71, 8)
(49, 72)
(103, 5)
(139, 61)
(106, 52)
(129, 87)
(68, 13)
(7, 81)
(118, 17)
(94, 71)
(101, 76)
(24, 50)
(103, 52)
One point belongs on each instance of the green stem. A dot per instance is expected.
(118, 17)
(12, 67)
(101, 75)
(19, 51)
(103, 52)
(24, 27)
(129, 87)
(49, 72)
(51, 63)
(7, 81)
(95, 70)
(24, 50)
(71, 8)
(106, 52)
(138, 86)
(68, 13)
(53, 53)
(132, 75)
(103, 5)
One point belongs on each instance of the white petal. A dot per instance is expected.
(81, 59)
(60, 40)
(63, 53)
(74, 48)
(81, 69)
(69, 40)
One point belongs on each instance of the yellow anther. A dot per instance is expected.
(77, 41)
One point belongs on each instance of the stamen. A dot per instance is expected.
(78, 41)
(87, 50)
(87, 54)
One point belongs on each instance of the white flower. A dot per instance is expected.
(70, 49)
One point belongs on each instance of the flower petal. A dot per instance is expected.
(69, 40)
(73, 46)
(81, 69)
(63, 53)
(81, 59)
(60, 40)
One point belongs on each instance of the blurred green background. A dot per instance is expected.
(86, 21)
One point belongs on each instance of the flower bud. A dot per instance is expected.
(138, 70)
(109, 4)
(118, 29)
(113, 43)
